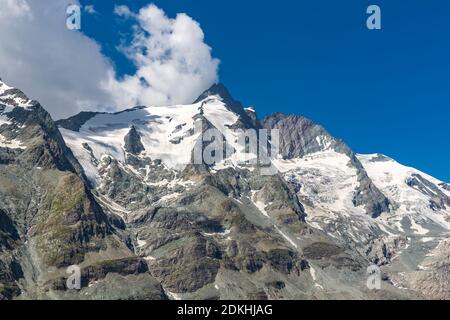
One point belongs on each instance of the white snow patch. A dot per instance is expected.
(12, 100)
(160, 129)
(237, 200)
(325, 177)
(166, 134)
(4, 87)
(383, 228)
(258, 204)
(286, 237)
(11, 144)
(4, 119)
(150, 258)
(218, 234)
(420, 267)
(141, 243)
(168, 197)
(397, 285)
(113, 206)
(418, 228)
(318, 286)
(324, 142)
(173, 296)
(390, 177)
(221, 118)
(314, 224)
(312, 271)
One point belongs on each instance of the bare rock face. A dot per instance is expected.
(49, 219)
(381, 251)
(432, 279)
(133, 142)
(439, 199)
(445, 186)
(300, 136)
(74, 123)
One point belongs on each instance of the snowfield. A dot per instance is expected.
(166, 133)
(413, 203)
(327, 179)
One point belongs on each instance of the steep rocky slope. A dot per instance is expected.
(49, 220)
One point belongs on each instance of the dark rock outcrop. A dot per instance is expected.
(133, 142)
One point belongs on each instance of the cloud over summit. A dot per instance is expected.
(173, 63)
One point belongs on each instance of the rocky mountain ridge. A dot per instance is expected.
(148, 223)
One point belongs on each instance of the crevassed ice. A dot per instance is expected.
(166, 133)
(390, 177)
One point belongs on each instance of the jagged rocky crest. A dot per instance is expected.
(133, 142)
(49, 217)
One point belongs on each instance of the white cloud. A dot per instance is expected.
(15, 8)
(122, 11)
(90, 9)
(174, 64)
(60, 68)
(67, 73)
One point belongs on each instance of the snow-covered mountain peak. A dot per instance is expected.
(161, 133)
(11, 97)
(218, 90)
(386, 171)
(416, 195)
(10, 126)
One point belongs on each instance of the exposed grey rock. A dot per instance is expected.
(300, 136)
(133, 142)
(439, 200)
(49, 218)
(381, 251)
(381, 158)
(431, 279)
(76, 122)
(445, 186)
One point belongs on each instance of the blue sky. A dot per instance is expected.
(384, 91)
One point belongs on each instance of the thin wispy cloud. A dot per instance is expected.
(90, 9)
(122, 11)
